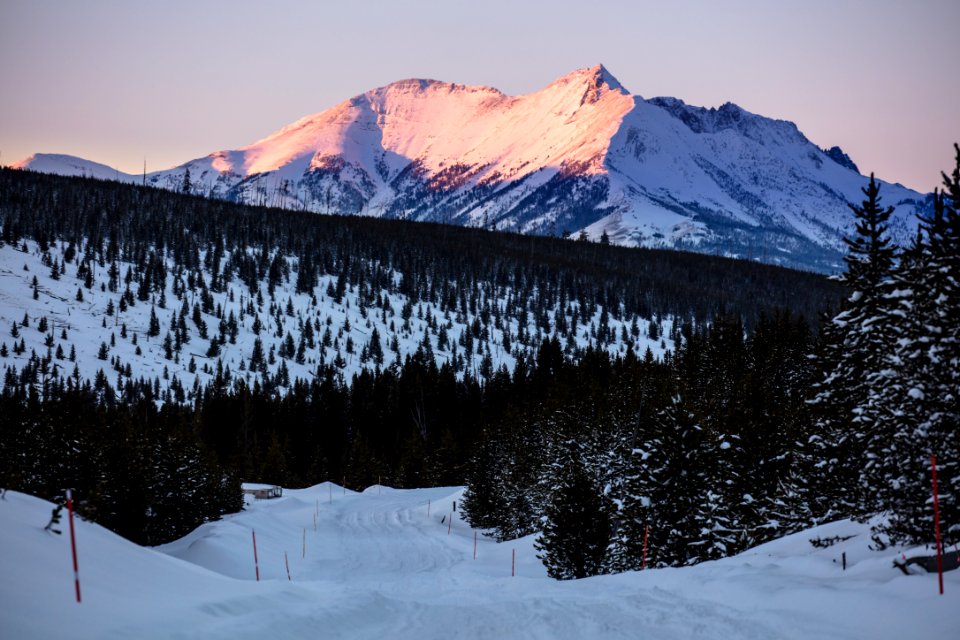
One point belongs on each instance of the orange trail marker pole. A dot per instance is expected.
(646, 534)
(73, 545)
(936, 521)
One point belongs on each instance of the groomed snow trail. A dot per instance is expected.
(377, 566)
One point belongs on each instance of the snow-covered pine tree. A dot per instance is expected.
(614, 472)
(519, 515)
(666, 490)
(483, 499)
(916, 401)
(642, 505)
(861, 336)
(709, 527)
(889, 453)
(577, 528)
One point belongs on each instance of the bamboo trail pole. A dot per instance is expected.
(73, 545)
(936, 521)
(256, 563)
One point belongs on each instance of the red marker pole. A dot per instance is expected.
(474, 545)
(73, 544)
(936, 521)
(646, 534)
(287, 563)
(256, 563)
(513, 563)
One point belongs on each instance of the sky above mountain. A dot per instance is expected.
(118, 82)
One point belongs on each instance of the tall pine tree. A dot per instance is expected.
(860, 336)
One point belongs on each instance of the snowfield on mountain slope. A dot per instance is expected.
(374, 564)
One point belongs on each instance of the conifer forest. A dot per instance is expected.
(612, 399)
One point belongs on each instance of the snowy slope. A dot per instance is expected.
(344, 329)
(377, 565)
(66, 165)
(580, 154)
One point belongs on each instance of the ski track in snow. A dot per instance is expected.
(378, 567)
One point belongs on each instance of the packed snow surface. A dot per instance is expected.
(374, 564)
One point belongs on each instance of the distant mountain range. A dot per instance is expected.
(581, 156)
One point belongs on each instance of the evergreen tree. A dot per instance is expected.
(915, 405)
(154, 328)
(577, 527)
(482, 501)
(861, 336)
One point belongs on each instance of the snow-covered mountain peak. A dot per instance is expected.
(68, 165)
(581, 153)
(595, 77)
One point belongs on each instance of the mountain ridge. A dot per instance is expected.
(580, 156)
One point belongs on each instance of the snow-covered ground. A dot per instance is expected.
(87, 325)
(376, 565)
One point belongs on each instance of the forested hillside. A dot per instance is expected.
(145, 331)
(733, 441)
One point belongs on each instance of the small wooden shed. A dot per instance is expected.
(262, 491)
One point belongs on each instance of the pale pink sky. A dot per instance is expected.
(114, 81)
